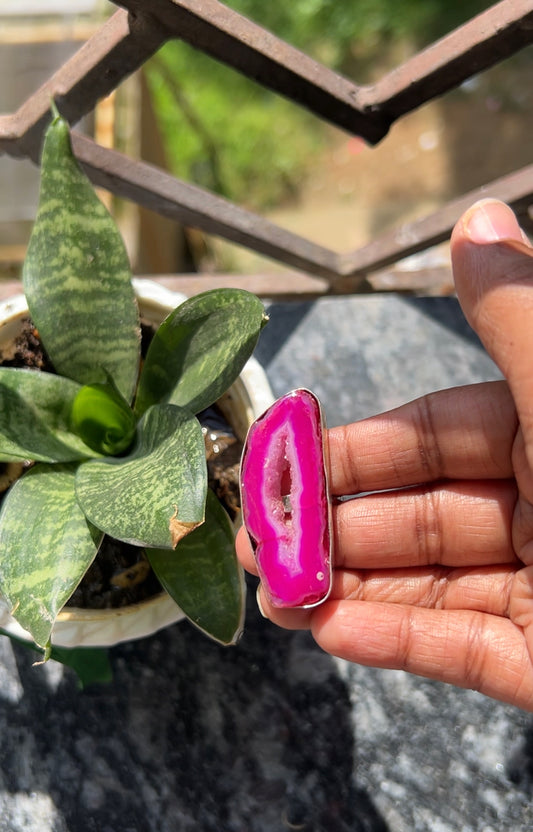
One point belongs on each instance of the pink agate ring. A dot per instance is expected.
(285, 501)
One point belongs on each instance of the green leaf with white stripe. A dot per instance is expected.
(156, 494)
(200, 349)
(77, 277)
(35, 417)
(204, 577)
(47, 546)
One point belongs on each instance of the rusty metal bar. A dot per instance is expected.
(281, 286)
(296, 286)
(516, 189)
(235, 40)
(124, 43)
(127, 40)
(288, 285)
(159, 191)
(367, 111)
(193, 206)
(480, 43)
(118, 48)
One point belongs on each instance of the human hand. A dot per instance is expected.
(436, 576)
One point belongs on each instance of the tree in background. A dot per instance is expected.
(228, 134)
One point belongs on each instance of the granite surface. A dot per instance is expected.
(273, 734)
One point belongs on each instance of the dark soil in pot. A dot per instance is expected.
(120, 574)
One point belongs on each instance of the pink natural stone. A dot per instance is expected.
(285, 501)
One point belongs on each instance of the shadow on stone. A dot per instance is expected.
(284, 318)
(519, 767)
(191, 736)
(446, 312)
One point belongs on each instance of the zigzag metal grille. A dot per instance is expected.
(132, 35)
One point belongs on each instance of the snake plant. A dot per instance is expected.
(118, 450)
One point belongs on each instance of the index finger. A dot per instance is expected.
(460, 433)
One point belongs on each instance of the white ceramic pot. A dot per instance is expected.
(247, 398)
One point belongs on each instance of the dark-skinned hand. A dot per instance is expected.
(436, 576)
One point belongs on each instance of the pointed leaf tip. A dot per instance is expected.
(200, 349)
(76, 274)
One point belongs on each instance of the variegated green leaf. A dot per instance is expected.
(35, 417)
(204, 577)
(103, 419)
(156, 494)
(47, 545)
(200, 349)
(76, 275)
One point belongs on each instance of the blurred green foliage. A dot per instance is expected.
(228, 134)
(338, 29)
(224, 132)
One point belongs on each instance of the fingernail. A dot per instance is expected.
(489, 221)
(258, 599)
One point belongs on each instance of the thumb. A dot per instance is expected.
(493, 271)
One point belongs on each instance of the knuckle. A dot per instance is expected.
(405, 650)
(475, 656)
(427, 527)
(428, 448)
(437, 591)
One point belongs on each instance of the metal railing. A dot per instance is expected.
(137, 30)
